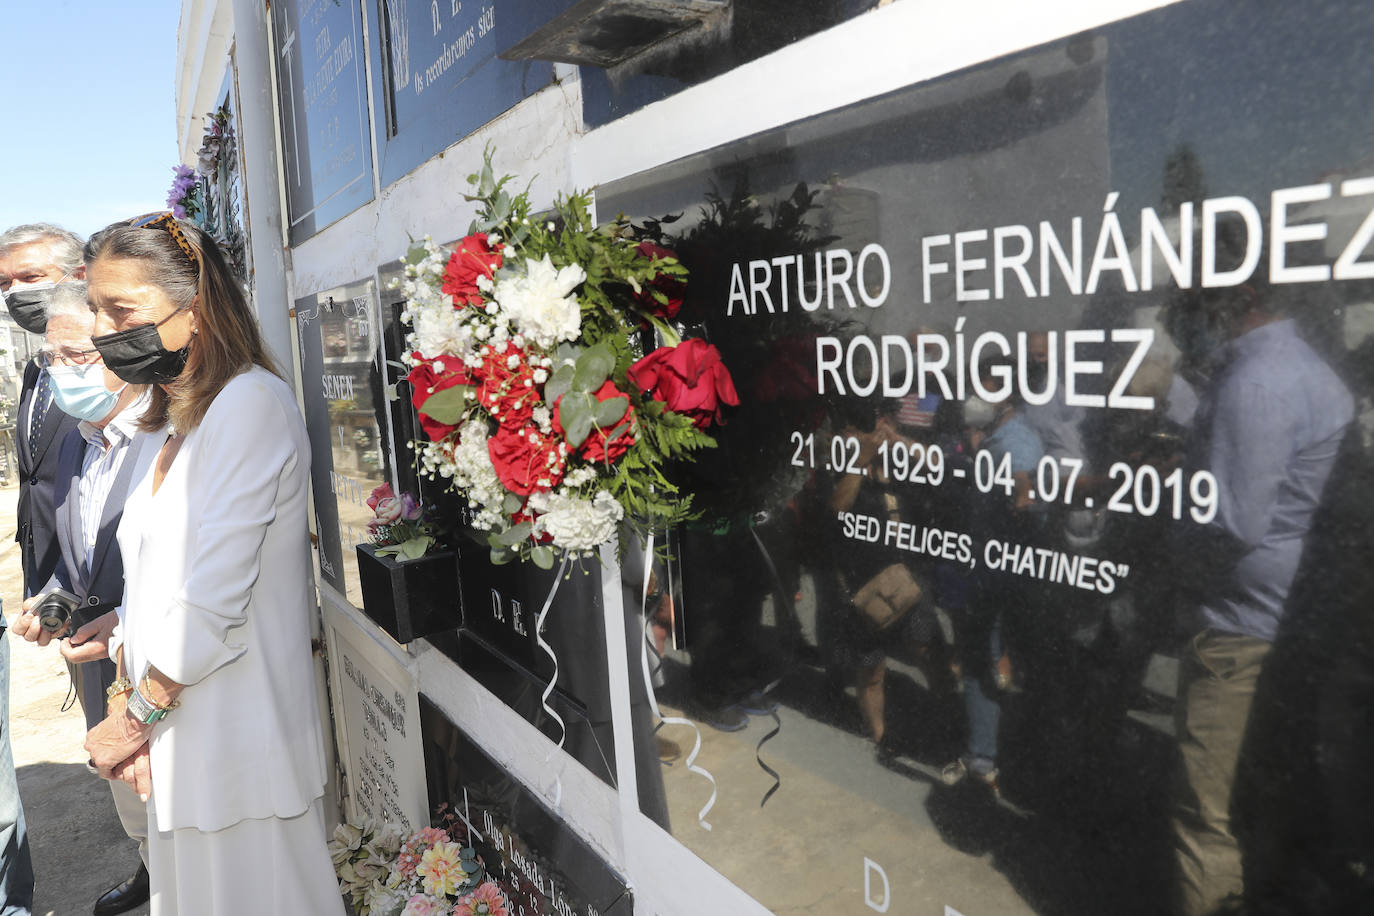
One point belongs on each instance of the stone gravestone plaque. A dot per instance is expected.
(439, 78)
(328, 167)
(344, 414)
(542, 865)
(376, 710)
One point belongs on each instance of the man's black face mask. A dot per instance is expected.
(28, 306)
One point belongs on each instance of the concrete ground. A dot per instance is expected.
(79, 848)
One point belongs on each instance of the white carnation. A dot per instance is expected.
(578, 524)
(540, 303)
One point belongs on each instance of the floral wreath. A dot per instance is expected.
(431, 872)
(529, 372)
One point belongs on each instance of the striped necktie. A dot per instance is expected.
(42, 397)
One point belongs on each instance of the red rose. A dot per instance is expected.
(597, 447)
(472, 258)
(426, 381)
(507, 391)
(672, 287)
(379, 493)
(526, 460)
(690, 378)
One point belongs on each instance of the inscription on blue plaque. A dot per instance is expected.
(438, 75)
(328, 165)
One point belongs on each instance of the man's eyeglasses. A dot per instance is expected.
(49, 358)
(166, 220)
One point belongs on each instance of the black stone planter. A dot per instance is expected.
(410, 598)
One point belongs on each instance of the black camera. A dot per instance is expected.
(54, 609)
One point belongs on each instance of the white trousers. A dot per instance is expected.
(133, 814)
(254, 868)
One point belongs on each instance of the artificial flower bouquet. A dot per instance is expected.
(529, 372)
(428, 873)
(398, 527)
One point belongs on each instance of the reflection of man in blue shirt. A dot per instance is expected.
(1268, 428)
(1055, 422)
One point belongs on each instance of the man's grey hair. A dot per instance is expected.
(67, 249)
(68, 300)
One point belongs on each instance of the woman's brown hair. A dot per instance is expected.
(227, 341)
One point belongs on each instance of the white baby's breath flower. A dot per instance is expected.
(543, 418)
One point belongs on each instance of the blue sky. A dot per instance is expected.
(87, 110)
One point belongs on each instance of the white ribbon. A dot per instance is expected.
(653, 702)
(548, 689)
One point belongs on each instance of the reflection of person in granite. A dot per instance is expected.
(1055, 422)
(723, 593)
(1268, 427)
(998, 601)
(886, 595)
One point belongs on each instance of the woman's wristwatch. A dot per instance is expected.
(144, 710)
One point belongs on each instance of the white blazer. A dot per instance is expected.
(218, 596)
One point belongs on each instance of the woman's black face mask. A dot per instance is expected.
(138, 357)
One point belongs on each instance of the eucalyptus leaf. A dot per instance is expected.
(542, 556)
(593, 368)
(670, 337)
(567, 352)
(609, 412)
(575, 415)
(558, 384)
(512, 503)
(416, 254)
(514, 535)
(415, 548)
(447, 406)
(500, 556)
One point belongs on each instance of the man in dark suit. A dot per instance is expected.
(98, 463)
(34, 259)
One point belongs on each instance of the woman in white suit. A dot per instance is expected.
(214, 720)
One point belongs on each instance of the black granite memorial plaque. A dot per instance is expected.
(542, 865)
(323, 93)
(1050, 488)
(438, 76)
(342, 390)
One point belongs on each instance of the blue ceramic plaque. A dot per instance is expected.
(438, 75)
(327, 163)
